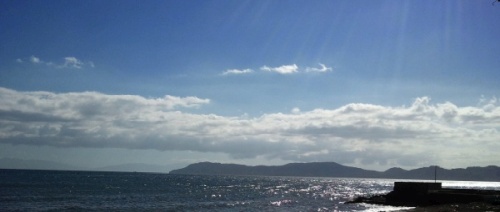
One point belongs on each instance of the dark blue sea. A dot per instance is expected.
(35, 190)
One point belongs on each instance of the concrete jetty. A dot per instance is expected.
(424, 194)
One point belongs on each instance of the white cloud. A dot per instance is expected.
(174, 101)
(34, 59)
(72, 62)
(323, 68)
(416, 135)
(284, 69)
(237, 72)
(69, 62)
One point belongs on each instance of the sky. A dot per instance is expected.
(371, 84)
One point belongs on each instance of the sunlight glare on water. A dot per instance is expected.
(24, 190)
(472, 185)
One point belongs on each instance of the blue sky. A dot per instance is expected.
(260, 74)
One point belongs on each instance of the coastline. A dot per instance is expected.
(432, 197)
(470, 207)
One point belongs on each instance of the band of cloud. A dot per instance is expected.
(69, 62)
(364, 132)
(284, 69)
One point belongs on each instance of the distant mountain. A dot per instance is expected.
(12, 163)
(489, 173)
(331, 169)
(318, 169)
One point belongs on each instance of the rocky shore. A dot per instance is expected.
(470, 207)
(432, 197)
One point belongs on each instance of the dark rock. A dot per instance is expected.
(415, 194)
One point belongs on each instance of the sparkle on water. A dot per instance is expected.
(57, 190)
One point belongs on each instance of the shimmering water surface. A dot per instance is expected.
(28, 190)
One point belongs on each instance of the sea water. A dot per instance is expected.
(35, 190)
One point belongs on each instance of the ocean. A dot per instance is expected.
(36, 190)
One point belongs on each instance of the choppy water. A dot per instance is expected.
(25, 190)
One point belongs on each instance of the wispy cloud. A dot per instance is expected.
(284, 69)
(69, 62)
(34, 59)
(419, 134)
(236, 72)
(72, 62)
(322, 68)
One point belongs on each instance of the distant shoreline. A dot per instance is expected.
(332, 169)
(314, 169)
(470, 207)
